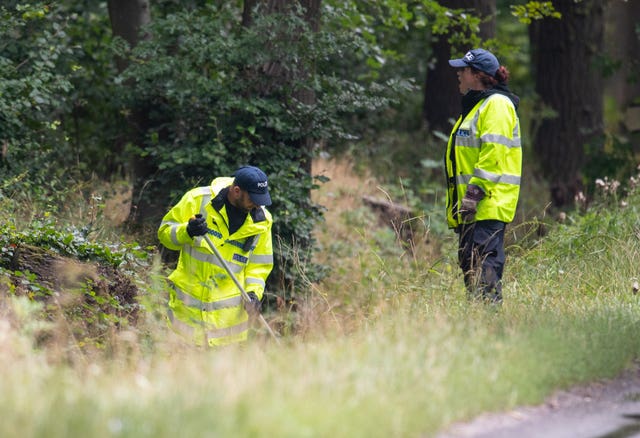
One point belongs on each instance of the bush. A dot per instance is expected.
(216, 95)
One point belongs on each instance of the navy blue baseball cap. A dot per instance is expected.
(254, 181)
(479, 59)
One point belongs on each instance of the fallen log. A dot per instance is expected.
(393, 215)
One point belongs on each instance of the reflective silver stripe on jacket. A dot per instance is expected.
(210, 258)
(493, 177)
(206, 198)
(187, 330)
(174, 231)
(470, 141)
(253, 280)
(266, 259)
(496, 138)
(489, 176)
(463, 179)
(190, 301)
(501, 139)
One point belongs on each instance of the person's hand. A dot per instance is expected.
(197, 226)
(468, 209)
(469, 204)
(253, 305)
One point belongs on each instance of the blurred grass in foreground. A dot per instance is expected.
(387, 346)
(408, 374)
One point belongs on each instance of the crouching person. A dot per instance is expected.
(205, 304)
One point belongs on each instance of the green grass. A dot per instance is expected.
(408, 374)
(387, 346)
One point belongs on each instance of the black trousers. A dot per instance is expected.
(481, 258)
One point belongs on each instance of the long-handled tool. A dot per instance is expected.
(245, 295)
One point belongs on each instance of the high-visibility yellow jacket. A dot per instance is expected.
(484, 149)
(205, 304)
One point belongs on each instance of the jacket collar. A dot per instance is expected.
(257, 214)
(470, 99)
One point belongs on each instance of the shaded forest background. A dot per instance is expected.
(151, 98)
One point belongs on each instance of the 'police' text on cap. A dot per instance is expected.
(480, 59)
(254, 181)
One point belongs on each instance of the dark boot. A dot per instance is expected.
(490, 286)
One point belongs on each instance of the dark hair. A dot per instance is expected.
(501, 77)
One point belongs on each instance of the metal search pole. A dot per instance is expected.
(244, 294)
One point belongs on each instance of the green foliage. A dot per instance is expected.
(90, 300)
(554, 330)
(401, 24)
(534, 10)
(218, 95)
(386, 322)
(58, 116)
(33, 88)
(208, 94)
(213, 104)
(45, 232)
(610, 157)
(92, 121)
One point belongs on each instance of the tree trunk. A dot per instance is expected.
(567, 81)
(311, 10)
(247, 12)
(307, 96)
(441, 101)
(127, 19)
(622, 45)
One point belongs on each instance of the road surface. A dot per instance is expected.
(607, 409)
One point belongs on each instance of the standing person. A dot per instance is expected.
(483, 164)
(205, 304)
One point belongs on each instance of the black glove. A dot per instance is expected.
(253, 305)
(197, 226)
(469, 204)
